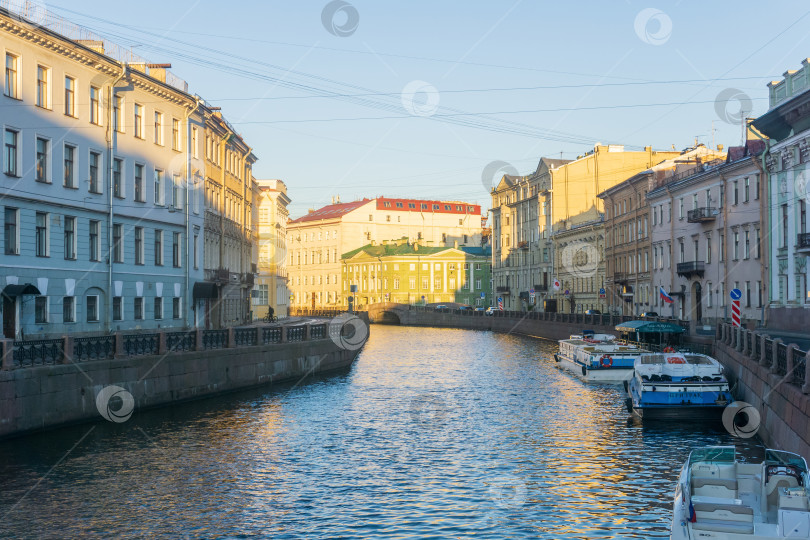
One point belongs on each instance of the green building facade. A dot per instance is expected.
(414, 274)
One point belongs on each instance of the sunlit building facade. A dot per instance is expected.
(271, 283)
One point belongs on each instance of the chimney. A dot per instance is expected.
(455, 244)
(158, 71)
(93, 44)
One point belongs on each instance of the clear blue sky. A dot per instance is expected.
(514, 81)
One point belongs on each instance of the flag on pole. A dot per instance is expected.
(664, 296)
(556, 285)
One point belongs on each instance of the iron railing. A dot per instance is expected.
(93, 348)
(140, 344)
(271, 335)
(296, 333)
(37, 352)
(181, 341)
(244, 337)
(781, 359)
(317, 331)
(215, 339)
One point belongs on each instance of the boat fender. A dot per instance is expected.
(584, 372)
(556, 358)
(625, 387)
(629, 404)
(606, 361)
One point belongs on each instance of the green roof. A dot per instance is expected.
(647, 327)
(405, 249)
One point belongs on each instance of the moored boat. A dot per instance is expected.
(598, 357)
(721, 497)
(677, 386)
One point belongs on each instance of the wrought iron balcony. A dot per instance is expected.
(691, 268)
(221, 275)
(620, 277)
(523, 244)
(248, 279)
(702, 215)
(540, 288)
(500, 289)
(803, 242)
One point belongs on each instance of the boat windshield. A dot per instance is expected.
(786, 458)
(713, 454)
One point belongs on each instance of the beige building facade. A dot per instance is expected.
(271, 283)
(316, 241)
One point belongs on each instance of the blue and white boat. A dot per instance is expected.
(598, 357)
(678, 386)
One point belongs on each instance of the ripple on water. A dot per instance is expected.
(431, 434)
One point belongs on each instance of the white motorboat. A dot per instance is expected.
(598, 357)
(724, 498)
(678, 386)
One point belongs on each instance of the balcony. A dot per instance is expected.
(803, 242)
(620, 277)
(692, 268)
(523, 244)
(702, 215)
(221, 275)
(540, 288)
(502, 290)
(248, 279)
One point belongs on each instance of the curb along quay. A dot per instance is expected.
(48, 383)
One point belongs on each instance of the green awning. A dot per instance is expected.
(649, 327)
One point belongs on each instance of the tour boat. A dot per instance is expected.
(598, 357)
(677, 386)
(723, 498)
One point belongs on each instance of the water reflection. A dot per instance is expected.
(442, 433)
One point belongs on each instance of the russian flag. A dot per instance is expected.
(664, 296)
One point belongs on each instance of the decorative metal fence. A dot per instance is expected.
(781, 359)
(748, 340)
(181, 341)
(93, 348)
(37, 352)
(141, 344)
(799, 370)
(296, 333)
(317, 331)
(215, 339)
(244, 337)
(768, 352)
(271, 335)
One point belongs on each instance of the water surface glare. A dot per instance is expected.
(433, 433)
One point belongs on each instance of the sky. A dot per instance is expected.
(361, 98)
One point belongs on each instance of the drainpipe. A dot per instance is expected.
(111, 157)
(188, 300)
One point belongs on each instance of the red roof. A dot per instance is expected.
(330, 212)
(419, 205)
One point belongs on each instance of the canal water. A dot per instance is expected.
(433, 433)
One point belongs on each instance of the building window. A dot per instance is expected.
(756, 188)
(747, 245)
(70, 96)
(68, 309)
(196, 240)
(41, 236)
(138, 122)
(736, 247)
(70, 237)
(194, 151)
(478, 284)
(11, 149)
(175, 135)
(92, 309)
(176, 250)
(747, 291)
(783, 236)
(158, 308)
(722, 253)
(177, 199)
(735, 193)
(118, 308)
(709, 294)
(759, 294)
(43, 157)
(138, 245)
(70, 166)
(176, 311)
(95, 237)
(95, 113)
(95, 185)
(756, 243)
(412, 284)
(43, 90)
(118, 243)
(118, 105)
(680, 208)
(158, 128)
(12, 76)
(158, 187)
(708, 250)
(138, 305)
(139, 193)
(41, 309)
(118, 188)
(746, 189)
(158, 247)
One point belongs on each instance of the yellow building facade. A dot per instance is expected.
(271, 283)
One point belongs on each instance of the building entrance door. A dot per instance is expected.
(697, 301)
(9, 317)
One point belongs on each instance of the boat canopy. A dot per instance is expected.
(649, 327)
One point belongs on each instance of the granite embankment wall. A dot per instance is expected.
(36, 395)
(771, 376)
